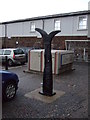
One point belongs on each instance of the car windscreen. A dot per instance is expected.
(18, 51)
(7, 52)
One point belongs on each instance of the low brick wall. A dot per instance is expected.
(23, 42)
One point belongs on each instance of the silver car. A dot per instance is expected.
(14, 56)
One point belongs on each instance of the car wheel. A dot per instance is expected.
(10, 91)
(10, 62)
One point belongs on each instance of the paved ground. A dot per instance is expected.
(73, 104)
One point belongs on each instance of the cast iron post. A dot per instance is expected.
(47, 75)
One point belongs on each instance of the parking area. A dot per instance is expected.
(72, 104)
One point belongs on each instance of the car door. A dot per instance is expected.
(7, 53)
(1, 55)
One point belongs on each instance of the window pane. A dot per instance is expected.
(18, 51)
(57, 25)
(7, 52)
(32, 27)
(82, 22)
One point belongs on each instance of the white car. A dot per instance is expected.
(14, 56)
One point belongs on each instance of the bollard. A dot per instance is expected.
(6, 63)
(41, 88)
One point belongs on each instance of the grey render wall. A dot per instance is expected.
(2, 30)
(48, 25)
(69, 27)
(22, 29)
(89, 20)
(75, 30)
(89, 26)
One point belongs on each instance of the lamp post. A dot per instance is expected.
(47, 75)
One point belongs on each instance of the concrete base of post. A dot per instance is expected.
(42, 93)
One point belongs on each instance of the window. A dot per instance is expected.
(82, 22)
(32, 27)
(57, 25)
(1, 52)
(18, 51)
(7, 52)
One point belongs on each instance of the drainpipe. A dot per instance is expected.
(43, 24)
(66, 44)
(84, 53)
(5, 35)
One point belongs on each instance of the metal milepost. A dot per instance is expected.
(47, 75)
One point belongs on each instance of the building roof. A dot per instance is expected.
(49, 17)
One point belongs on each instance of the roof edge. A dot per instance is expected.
(49, 16)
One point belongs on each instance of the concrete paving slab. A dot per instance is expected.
(35, 95)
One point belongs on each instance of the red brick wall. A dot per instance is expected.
(58, 42)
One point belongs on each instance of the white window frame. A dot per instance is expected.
(57, 25)
(32, 27)
(83, 25)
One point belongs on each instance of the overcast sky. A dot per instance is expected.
(22, 9)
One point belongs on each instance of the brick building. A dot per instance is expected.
(73, 35)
